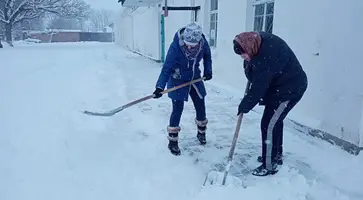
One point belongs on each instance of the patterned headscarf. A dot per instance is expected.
(250, 42)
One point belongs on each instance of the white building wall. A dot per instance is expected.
(139, 30)
(227, 66)
(334, 100)
(175, 20)
(146, 28)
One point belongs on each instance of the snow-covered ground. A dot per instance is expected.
(50, 150)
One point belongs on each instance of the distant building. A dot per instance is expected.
(54, 35)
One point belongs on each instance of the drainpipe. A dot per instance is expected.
(162, 35)
(162, 32)
(192, 3)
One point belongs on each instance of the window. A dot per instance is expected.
(264, 16)
(213, 23)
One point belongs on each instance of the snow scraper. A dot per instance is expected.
(215, 177)
(119, 109)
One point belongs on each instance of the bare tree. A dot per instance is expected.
(100, 19)
(26, 25)
(13, 12)
(64, 23)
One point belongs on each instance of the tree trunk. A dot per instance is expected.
(8, 34)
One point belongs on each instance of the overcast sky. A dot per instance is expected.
(107, 4)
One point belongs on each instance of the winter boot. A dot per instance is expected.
(202, 127)
(262, 170)
(173, 140)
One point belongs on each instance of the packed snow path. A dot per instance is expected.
(49, 150)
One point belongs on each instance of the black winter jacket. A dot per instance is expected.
(275, 74)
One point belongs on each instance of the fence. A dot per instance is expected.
(48, 37)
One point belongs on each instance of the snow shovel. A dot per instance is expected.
(118, 109)
(214, 176)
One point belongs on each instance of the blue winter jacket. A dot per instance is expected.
(177, 69)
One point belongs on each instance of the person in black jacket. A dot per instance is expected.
(276, 80)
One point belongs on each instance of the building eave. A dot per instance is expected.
(139, 3)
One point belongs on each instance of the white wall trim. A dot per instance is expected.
(257, 2)
(260, 2)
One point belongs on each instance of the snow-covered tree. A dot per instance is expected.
(99, 19)
(64, 23)
(35, 24)
(13, 12)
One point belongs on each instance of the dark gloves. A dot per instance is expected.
(242, 109)
(207, 77)
(157, 93)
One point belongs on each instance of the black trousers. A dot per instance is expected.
(272, 129)
(178, 107)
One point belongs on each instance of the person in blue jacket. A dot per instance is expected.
(277, 81)
(181, 65)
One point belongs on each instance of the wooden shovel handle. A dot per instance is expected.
(163, 92)
(182, 85)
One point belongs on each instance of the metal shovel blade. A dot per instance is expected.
(105, 114)
(211, 178)
(214, 176)
(220, 178)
